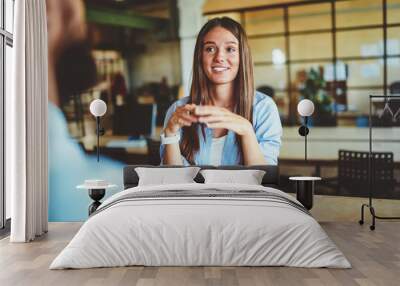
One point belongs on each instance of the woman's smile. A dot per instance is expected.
(219, 69)
(220, 56)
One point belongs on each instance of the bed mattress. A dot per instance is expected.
(201, 225)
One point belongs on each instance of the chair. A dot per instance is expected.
(266, 89)
(135, 120)
(353, 175)
(394, 87)
(115, 153)
(153, 151)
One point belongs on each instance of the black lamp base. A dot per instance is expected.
(96, 195)
(305, 193)
(303, 130)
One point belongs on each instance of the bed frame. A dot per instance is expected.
(270, 179)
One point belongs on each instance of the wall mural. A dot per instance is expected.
(242, 105)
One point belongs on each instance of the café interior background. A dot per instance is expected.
(335, 53)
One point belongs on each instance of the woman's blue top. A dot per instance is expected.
(267, 127)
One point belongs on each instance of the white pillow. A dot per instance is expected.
(163, 176)
(249, 177)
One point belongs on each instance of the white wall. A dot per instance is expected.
(190, 22)
(159, 59)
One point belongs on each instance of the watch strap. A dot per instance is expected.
(170, 139)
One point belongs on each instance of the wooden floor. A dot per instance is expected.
(375, 257)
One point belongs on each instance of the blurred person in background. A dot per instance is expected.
(268, 90)
(71, 70)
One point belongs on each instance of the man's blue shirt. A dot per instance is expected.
(69, 166)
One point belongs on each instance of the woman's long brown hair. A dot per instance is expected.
(200, 92)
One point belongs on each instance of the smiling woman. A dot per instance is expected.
(223, 121)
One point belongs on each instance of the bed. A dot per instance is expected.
(198, 224)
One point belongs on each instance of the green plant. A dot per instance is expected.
(314, 88)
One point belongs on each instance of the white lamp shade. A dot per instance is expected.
(98, 107)
(305, 107)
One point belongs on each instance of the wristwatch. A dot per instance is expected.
(170, 139)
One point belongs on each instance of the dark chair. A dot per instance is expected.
(153, 151)
(394, 87)
(353, 175)
(135, 120)
(116, 153)
(266, 89)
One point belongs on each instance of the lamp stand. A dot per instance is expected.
(303, 131)
(305, 137)
(99, 132)
(98, 136)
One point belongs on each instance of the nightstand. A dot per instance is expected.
(305, 190)
(96, 193)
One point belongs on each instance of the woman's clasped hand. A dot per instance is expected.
(210, 115)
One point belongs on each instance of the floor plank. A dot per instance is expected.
(375, 257)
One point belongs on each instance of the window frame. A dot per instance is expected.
(6, 39)
(333, 30)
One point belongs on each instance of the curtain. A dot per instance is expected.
(26, 119)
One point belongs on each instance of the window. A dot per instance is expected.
(347, 36)
(234, 16)
(270, 75)
(393, 41)
(365, 73)
(393, 65)
(9, 15)
(313, 46)
(393, 11)
(361, 43)
(309, 18)
(264, 22)
(6, 44)
(358, 13)
(268, 50)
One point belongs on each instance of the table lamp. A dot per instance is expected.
(98, 108)
(305, 108)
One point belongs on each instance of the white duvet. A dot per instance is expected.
(200, 231)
